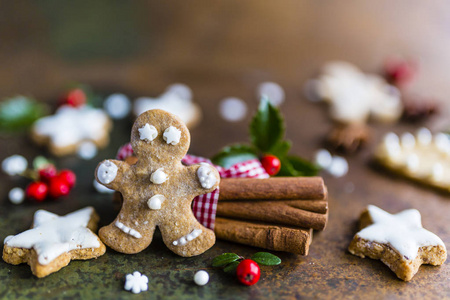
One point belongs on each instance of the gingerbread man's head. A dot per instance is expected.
(159, 139)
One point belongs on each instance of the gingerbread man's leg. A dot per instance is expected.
(128, 235)
(192, 238)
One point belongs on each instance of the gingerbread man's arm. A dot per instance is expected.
(206, 177)
(111, 172)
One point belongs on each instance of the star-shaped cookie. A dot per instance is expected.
(53, 241)
(398, 240)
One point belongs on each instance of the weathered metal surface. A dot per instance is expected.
(329, 270)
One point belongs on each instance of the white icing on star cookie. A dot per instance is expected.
(128, 230)
(53, 235)
(172, 135)
(354, 96)
(107, 172)
(70, 126)
(177, 99)
(206, 176)
(158, 177)
(402, 231)
(148, 132)
(187, 238)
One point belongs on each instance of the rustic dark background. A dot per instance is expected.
(225, 49)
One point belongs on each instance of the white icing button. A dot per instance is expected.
(158, 177)
(201, 278)
(148, 132)
(14, 165)
(155, 201)
(87, 150)
(107, 172)
(16, 195)
(424, 136)
(233, 109)
(172, 135)
(408, 140)
(117, 106)
(273, 91)
(323, 158)
(206, 176)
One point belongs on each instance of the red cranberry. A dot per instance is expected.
(68, 176)
(271, 164)
(58, 187)
(248, 272)
(37, 191)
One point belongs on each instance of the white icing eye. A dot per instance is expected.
(107, 172)
(148, 132)
(206, 176)
(155, 201)
(158, 177)
(172, 135)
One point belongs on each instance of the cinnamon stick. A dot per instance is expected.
(271, 237)
(277, 212)
(276, 188)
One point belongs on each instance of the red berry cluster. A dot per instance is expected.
(51, 184)
(75, 98)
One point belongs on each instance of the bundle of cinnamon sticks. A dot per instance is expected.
(278, 213)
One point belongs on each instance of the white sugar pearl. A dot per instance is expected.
(408, 140)
(87, 150)
(180, 90)
(424, 136)
(338, 167)
(323, 158)
(16, 195)
(14, 165)
(273, 91)
(117, 106)
(201, 277)
(233, 109)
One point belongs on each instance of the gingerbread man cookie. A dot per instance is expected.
(54, 241)
(158, 189)
(397, 240)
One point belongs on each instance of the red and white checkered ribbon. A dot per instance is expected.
(204, 206)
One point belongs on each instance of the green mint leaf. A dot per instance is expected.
(19, 112)
(266, 259)
(266, 127)
(234, 154)
(224, 259)
(281, 149)
(231, 268)
(296, 166)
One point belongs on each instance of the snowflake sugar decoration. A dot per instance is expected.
(136, 282)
